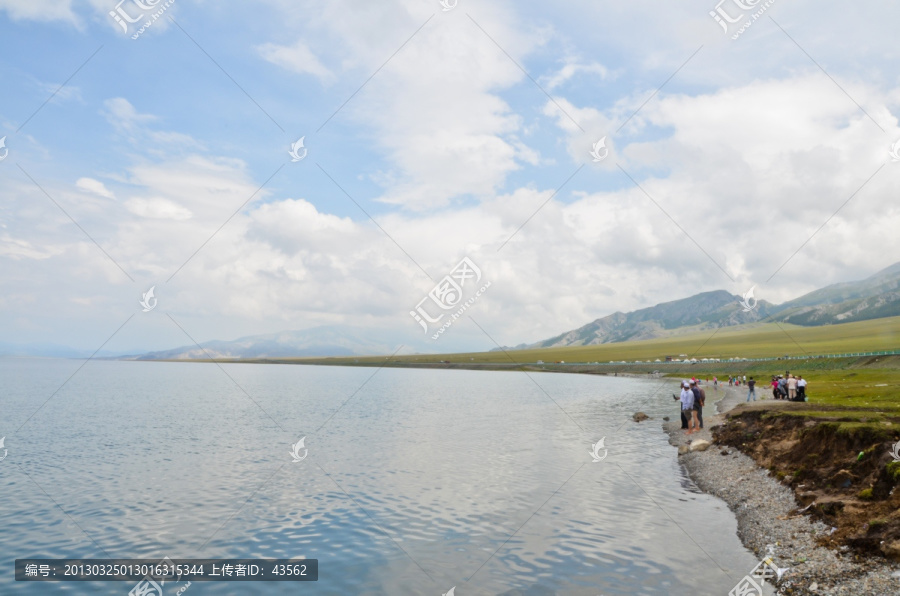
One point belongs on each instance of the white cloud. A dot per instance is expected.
(95, 187)
(17, 248)
(750, 166)
(123, 116)
(572, 69)
(157, 208)
(296, 58)
(39, 10)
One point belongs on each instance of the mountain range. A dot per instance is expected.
(875, 297)
(316, 341)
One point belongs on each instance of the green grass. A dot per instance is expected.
(852, 401)
(745, 341)
(893, 470)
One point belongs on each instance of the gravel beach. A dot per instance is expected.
(763, 508)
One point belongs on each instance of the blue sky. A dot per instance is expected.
(750, 146)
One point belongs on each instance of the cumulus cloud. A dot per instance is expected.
(735, 171)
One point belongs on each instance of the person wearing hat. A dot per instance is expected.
(687, 406)
(684, 420)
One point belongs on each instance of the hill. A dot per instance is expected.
(875, 297)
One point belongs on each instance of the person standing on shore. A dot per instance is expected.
(792, 388)
(782, 386)
(752, 391)
(801, 388)
(716, 383)
(684, 419)
(687, 406)
(699, 401)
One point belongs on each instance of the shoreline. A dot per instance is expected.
(768, 518)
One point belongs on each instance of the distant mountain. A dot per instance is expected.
(42, 350)
(708, 309)
(874, 297)
(317, 341)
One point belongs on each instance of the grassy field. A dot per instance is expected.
(747, 341)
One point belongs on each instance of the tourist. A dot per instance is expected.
(801, 388)
(782, 386)
(792, 388)
(716, 383)
(752, 392)
(774, 387)
(684, 420)
(699, 401)
(745, 379)
(687, 406)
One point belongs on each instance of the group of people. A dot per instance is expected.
(787, 386)
(692, 398)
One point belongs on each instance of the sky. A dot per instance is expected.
(156, 154)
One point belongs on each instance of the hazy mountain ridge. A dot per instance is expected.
(874, 297)
(317, 341)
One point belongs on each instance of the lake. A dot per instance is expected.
(416, 481)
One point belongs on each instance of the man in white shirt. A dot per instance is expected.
(687, 407)
(801, 388)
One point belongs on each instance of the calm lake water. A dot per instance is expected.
(423, 480)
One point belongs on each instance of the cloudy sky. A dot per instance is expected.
(159, 157)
